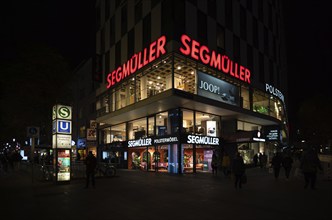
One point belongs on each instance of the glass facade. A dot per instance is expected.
(180, 140)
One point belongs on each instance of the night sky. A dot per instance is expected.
(68, 27)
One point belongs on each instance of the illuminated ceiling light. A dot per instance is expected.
(158, 77)
(157, 84)
(164, 61)
(133, 79)
(192, 72)
(149, 87)
(150, 82)
(179, 67)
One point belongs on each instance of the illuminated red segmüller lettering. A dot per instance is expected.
(137, 61)
(209, 57)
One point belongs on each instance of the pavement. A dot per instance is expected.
(138, 195)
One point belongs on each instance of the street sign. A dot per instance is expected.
(33, 132)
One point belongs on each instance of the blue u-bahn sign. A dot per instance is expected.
(64, 127)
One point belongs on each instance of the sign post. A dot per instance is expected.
(32, 132)
(61, 142)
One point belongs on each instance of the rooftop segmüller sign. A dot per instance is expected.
(189, 47)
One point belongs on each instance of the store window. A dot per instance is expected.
(207, 124)
(151, 123)
(261, 102)
(161, 124)
(118, 133)
(137, 129)
(107, 135)
(154, 80)
(245, 97)
(188, 121)
(203, 158)
(187, 158)
(184, 75)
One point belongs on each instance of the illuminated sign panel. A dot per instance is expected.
(197, 139)
(274, 91)
(139, 60)
(214, 88)
(209, 57)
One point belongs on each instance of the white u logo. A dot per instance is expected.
(64, 125)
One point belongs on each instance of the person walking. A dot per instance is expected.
(287, 162)
(276, 164)
(310, 163)
(214, 163)
(255, 159)
(225, 164)
(91, 163)
(238, 169)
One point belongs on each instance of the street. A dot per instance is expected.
(141, 195)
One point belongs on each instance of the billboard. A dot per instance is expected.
(217, 89)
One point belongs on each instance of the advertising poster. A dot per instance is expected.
(211, 128)
(214, 88)
(63, 165)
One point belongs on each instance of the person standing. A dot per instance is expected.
(276, 164)
(287, 162)
(310, 163)
(238, 169)
(91, 164)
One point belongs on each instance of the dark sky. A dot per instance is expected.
(308, 36)
(68, 26)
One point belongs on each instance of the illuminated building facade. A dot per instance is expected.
(184, 79)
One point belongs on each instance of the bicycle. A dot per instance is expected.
(106, 169)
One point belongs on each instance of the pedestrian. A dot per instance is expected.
(276, 164)
(225, 164)
(287, 162)
(310, 164)
(91, 164)
(238, 169)
(262, 160)
(255, 159)
(214, 163)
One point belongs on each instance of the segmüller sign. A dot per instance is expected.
(189, 47)
(137, 61)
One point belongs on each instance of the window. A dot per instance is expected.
(236, 48)
(243, 23)
(147, 31)
(201, 27)
(255, 32)
(229, 14)
(137, 129)
(131, 43)
(188, 122)
(261, 102)
(212, 7)
(161, 124)
(220, 39)
(138, 11)
(261, 68)
(124, 20)
(112, 31)
(207, 124)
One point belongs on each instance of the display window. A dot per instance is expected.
(137, 129)
(161, 124)
(203, 158)
(207, 124)
(245, 97)
(187, 158)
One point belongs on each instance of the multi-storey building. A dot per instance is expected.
(183, 79)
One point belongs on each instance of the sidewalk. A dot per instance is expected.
(136, 195)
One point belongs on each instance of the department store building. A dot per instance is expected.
(184, 79)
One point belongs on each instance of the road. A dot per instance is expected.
(137, 195)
